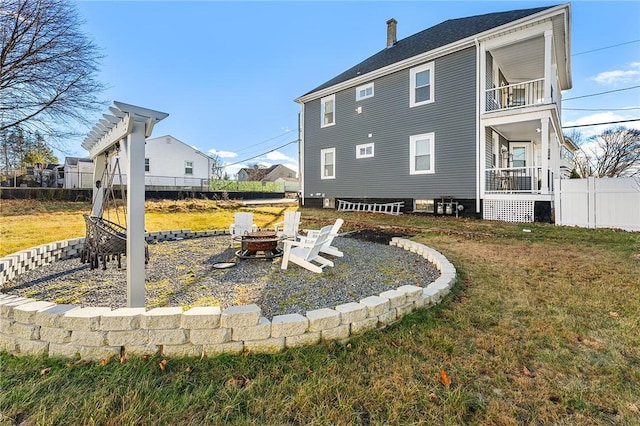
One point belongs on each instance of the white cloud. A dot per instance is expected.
(279, 156)
(223, 154)
(619, 76)
(601, 117)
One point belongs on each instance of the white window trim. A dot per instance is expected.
(323, 101)
(186, 162)
(322, 163)
(412, 84)
(412, 154)
(365, 146)
(364, 87)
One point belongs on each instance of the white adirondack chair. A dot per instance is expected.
(327, 248)
(288, 228)
(307, 254)
(242, 226)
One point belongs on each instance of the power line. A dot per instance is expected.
(606, 47)
(265, 141)
(601, 93)
(260, 155)
(600, 124)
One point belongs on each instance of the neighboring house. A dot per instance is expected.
(169, 164)
(275, 173)
(463, 115)
(78, 173)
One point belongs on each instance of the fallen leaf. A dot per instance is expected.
(187, 370)
(527, 372)
(162, 364)
(145, 357)
(444, 379)
(45, 371)
(105, 361)
(614, 314)
(123, 359)
(79, 363)
(433, 397)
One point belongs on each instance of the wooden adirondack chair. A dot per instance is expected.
(289, 228)
(307, 254)
(327, 248)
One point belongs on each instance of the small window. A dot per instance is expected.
(426, 206)
(364, 92)
(421, 85)
(422, 154)
(188, 167)
(328, 163)
(364, 151)
(146, 164)
(327, 110)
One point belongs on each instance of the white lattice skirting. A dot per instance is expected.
(508, 210)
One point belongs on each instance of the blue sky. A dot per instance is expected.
(227, 72)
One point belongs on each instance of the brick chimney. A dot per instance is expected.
(391, 32)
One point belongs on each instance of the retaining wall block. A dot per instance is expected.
(26, 313)
(83, 319)
(351, 312)
(7, 343)
(376, 305)
(323, 319)
(201, 317)
(289, 325)
(433, 294)
(411, 292)
(64, 350)
(55, 335)
(223, 348)
(89, 338)
(32, 347)
(161, 318)
(5, 325)
(363, 326)
(209, 336)
(176, 336)
(128, 337)
(140, 350)
(340, 332)
(404, 310)
(122, 319)
(388, 317)
(6, 307)
(240, 316)
(442, 287)
(25, 331)
(396, 298)
(181, 350)
(305, 339)
(422, 301)
(51, 317)
(98, 353)
(267, 346)
(257, 332)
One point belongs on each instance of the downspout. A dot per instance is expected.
(478, 109)
(301, 152)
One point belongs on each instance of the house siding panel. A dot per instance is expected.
(390, 121)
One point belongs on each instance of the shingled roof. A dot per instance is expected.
(432, 38)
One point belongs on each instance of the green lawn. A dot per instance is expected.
(542, 328)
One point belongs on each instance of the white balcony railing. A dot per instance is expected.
(515, 95)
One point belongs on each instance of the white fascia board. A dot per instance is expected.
(117, 132)
(430, 55)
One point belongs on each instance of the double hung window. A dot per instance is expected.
(421, 85)
(422, 154)
(328, 163)
(328, 111)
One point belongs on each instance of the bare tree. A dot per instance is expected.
(217, 166)
(614, 153)
(48, 68)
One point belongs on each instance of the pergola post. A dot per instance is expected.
(130, 125)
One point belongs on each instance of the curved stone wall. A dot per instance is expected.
(31, 327)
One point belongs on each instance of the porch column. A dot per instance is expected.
(548, 71)
(544, 133)
(100, 164)
(133, 148)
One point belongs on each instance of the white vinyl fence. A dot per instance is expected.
(598, 203)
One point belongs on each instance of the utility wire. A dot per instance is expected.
(600, 124)
(259, 155)
(265, 141)
(606, 47)
(601, 93)
(600, 109)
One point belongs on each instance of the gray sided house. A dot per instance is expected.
(463, 116)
